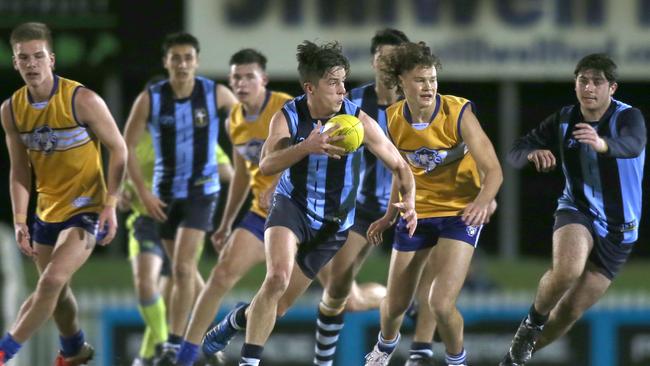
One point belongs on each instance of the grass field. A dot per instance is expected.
(523, 274)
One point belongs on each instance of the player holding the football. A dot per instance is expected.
(313, 205)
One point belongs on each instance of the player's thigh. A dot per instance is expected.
(242, 251)
(572, 242)
(72, 249)
(43, 255)
(350, 257)
(404, 273)
(451, 262)
(280, 247)
(188, 242)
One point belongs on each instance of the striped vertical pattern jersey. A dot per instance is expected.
(374, 190)
(185, 133)
(446, 176)
(248, 135)
(325, 188)
(64, 153)
(606, 187)
(146, 157)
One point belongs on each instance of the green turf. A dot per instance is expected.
(523, 274)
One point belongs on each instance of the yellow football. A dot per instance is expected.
(350, 127)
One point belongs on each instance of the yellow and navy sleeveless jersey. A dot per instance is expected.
(605, 187)
(64, 153)
(184, 134)
(374, 190)
(145, 154)
(247, 134)
(446, 176)
(323, 187)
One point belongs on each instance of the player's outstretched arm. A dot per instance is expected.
(92, 111)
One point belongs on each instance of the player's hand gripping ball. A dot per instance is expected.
(350, 127)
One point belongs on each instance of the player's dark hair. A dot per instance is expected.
(387, 37)
(248, 56)
(314, 60)
(599, 62)
(32, 31)
(180, 38)
(405, 58)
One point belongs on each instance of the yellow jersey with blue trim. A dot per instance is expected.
(63, 152)
(247, 134)
(446, 176)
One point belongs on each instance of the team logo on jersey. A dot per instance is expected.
(200, 117)
(427, 159)
(166, 120)
(251, 151)
(82, 201)
(471, 230)
(45, 139)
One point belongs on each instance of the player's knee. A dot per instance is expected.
(51, 283)
(442, 308)
(276, 282)
(146, 289)
(224, 275)
(568, 275)
(184, 270)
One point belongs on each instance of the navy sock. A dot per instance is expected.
(420, 350)
(250, 354)
(188, 353)
(535, 318)
(458, 359)
(387, 346)
(70, 346)
(174, 339)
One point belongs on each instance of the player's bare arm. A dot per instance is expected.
(20, 179)
(382, 148)
(135, 127)
(237, 193)
(278, 154)
(225, 98)
(92, 111)
(375, 233)
(479, 145)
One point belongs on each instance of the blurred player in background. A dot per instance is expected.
(313, 205)
(241, 249)
(446, 148)
(150, 264)
(181, 114)
(54, 127)
(600, 143)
